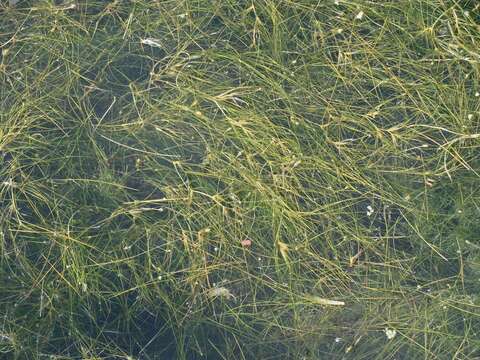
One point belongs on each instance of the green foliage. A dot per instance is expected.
(142, 143)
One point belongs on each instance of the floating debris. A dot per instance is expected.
(359, 16)
(370, 210)
(222, 292)
(246, 243)
(151, 42)
(4, 337)
(390, 333)
(322, 301)
(9, 183)
(353, 259)
(283, 248)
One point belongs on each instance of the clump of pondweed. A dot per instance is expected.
(143, 142)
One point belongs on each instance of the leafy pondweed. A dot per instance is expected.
(322, 147)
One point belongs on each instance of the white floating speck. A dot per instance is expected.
(369, 210)
(5, 337)
(390, 333)
(359, 16)
(298, 162)
(321, 301)
(151, 42)
(9, 183)
(220, 292)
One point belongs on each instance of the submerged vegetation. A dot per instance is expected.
(233, 179)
